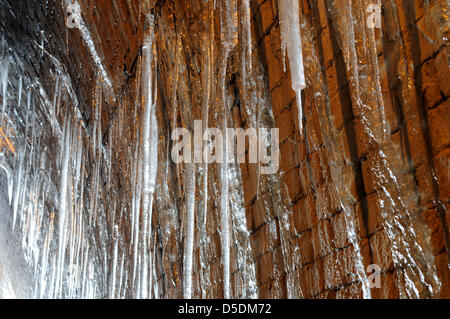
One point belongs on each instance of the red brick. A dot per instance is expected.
(313, 126)
(425, 184)
(305, 178)
(285, 123)
(282, 95)
(340, 230)
(275, 289)
(439, 132)
(305, 214)
(430, 84)
(323, 238)
(340, 105)
(442, 167)
(265, 238)
(443, 269)
(263, 210)
(441, 63)
(274, 57)
(293, 184)
(291, 156)
(270, 266)
(267, 15)
(375, 219)
(437, 237)
(416, 138)
(312, 279)
(358, 210)
(304, 242)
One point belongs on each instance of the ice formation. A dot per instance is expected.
(291, 42)
(95, 207)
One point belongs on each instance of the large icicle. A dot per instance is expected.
(62, 218)
(149, 157)
(292, 43)
(229, 38)
(208, 47)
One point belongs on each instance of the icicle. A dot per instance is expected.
(136, 173)
(150, 154)
(247, 42)
(18, 187)
(225, 229)
(247, 288)
(115, 262)
(292, 43)
(9, 175)
(189, 244)
(4, 70)
(208, 47)
(229, 38)
(62, 218)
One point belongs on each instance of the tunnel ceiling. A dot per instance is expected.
(93, 204)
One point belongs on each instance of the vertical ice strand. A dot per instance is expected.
(135, 180)
(191, 168)
(229, 39)
(4, 68)
(149, 155)
(207, 71)
(247, 287)
(291, 42)
(190, 225)
(87, 37)
(62, 217)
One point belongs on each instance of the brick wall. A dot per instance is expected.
(331, 176)
(415, 102)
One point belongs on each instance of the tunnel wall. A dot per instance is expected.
(357, 186)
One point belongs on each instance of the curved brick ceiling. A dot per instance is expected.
(365, 183)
